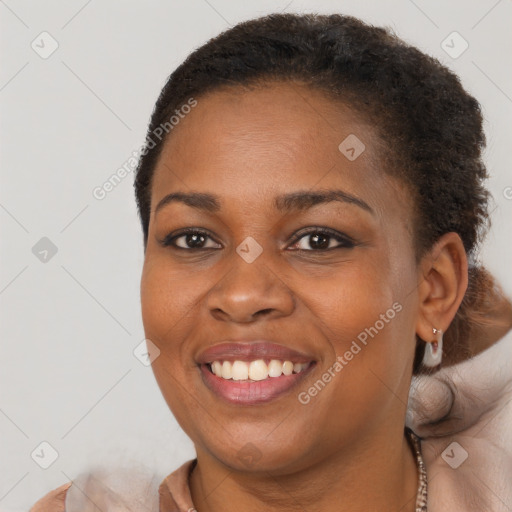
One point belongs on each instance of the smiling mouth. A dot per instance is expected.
(253, 382)
(256, 370)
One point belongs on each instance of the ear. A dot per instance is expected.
(444, 280)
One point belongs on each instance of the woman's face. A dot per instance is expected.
(302, 243)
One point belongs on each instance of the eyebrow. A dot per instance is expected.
(206, 202)
(303, 200)
(295, 201)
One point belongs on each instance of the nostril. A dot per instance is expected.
(263, 311)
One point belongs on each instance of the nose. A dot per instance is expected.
(249, 291)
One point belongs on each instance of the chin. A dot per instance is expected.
(273, 455)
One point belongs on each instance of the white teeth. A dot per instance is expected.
(287, 367)
(258, 370)
(240, 371)
(255, 370)
(217, 368)
(226, 370)
(275, 368)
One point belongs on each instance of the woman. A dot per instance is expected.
(311, 192)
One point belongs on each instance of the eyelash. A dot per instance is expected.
(345, 241)
(169, 240)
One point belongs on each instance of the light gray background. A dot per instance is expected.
(70, 325)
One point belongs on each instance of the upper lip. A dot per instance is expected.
(251, 350)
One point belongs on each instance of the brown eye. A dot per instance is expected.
(322, 240)
(319, 241)
(190, 239)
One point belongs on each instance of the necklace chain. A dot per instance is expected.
(421, 495)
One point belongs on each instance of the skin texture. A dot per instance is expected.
(346, 448)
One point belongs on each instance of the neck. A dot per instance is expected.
(379, 474)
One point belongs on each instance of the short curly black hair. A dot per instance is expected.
(430, 128)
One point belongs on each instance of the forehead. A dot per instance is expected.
(270, 140)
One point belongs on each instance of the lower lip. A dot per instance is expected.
(252, 392)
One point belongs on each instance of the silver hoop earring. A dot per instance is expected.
(434, 350)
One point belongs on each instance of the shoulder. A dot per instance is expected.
(463, 396)
(463, 414)
(106, 488)
(54, 501)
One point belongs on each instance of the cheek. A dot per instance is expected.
(367, 316)
(166, 297)
(167, 303)
(352, 299)
(363, 379)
